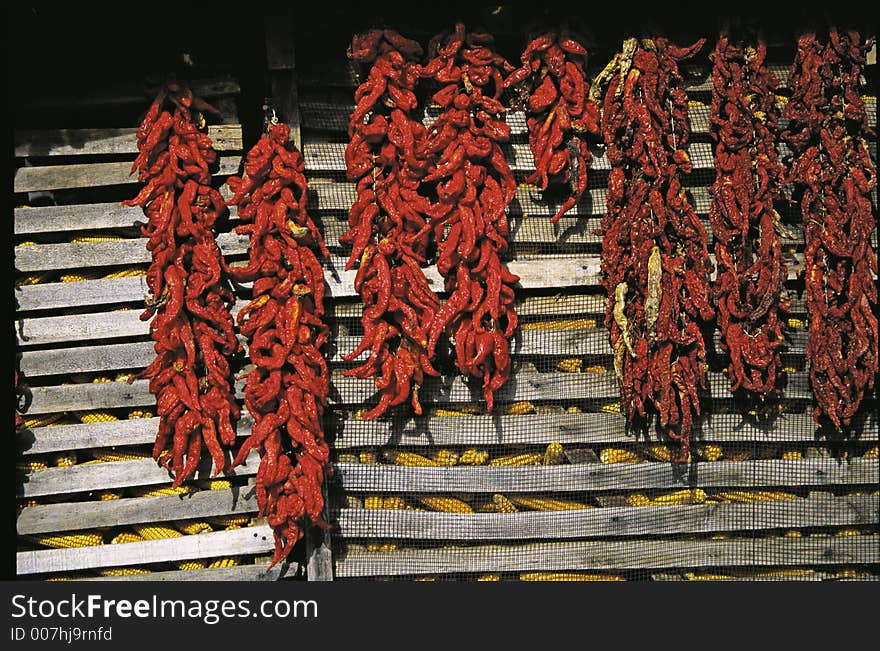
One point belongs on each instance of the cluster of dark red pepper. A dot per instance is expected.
(655, 263)
(389, 237)
(191, 297)
(749, 287)
(559, 113)
(834, 177)
(286, 392)
(473, 185)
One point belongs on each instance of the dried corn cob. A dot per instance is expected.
(64, 459)
(848, 532)
(565, 324)
(156, 531)
(68, 540)
(227, 521)
(662, 452)
(127, 273)
(31, 466)
(792, 455)
(394, 503)
(159, 492)
(225, 562)
(567, 576)
(610, 408)
(126, 537)
(42, 421)
(638, 499)
(33, 279)
(67, 577)
(217, 484)
(754, 496)
(489, 577)
(80, 239)
(547, 503)
(521, 459)
(786, 574)
(570, 365)
(709, 452)
(123, 571)
(553, 455)
(598, 368)
(113, 455)
(518, 409)
(96, 417)
(139, 413)
(191, 565)
(690, 576)
(873, 453)
(444, 457)
(795, 323)
(368, 457)
(81, 275)
(794, 533)
(373, 502)
(686, 496)
(192, 527)
(446, 504)
(425, 578)
(501, 504)
(408, 458)
(473, 457)
(450, 413)
(618, 455)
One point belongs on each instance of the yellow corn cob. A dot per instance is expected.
(67, 577)
(598, 368)
(28, 242)
(79, 239)
(192, 527)
(872, 453)
(42, 421)
(64, 459)
(446, 504)
(570, 365)
(126, 273)
(792, 455)
(518, 409)
(847, 532)
(237, 521)
(96, 417)
(489, 577)
(373, 547)
(126, 537)
(794, 533)
(29, 503)
(394, 503)
(661, 452)
(191, 565)
(111, 455)
(795, 323)
(547, 503)
(217, 484)
(638, 499)
(573, 409)
(408, 458)
(618, 455)
(450, 413)
(789, 369)
(123, 571)
(693, 102)
(709, 452)
(740, 455)
(139, 413)
(101, 379)
(79, 276)
(785, 574)
(754, 496)
(159, 492)
(426, 578)
(373, 502)
(567, 576)
(387, 547)
(553, 454)
(502, 504)
(444, 457)
(224, 562)
(59, 541)
(31, 466)
(156, 531)
(690, 576)
(521, 459)
(33, 279)
(687, 496)
(473, 457)
(565, 324)
(781, 99)
(368, 457)
(610, 408)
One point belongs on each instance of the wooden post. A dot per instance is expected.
(281, 63)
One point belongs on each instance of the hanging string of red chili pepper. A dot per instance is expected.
(655, 263)
(559, 115)
(749, 287)
(389, 237)
(473, 186)
(834, 177)
(286, 392)
(191, 298)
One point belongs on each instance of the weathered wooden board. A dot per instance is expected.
(260, 572)
(610, 555)
(250, 540)
(74, 142)
(91, 175)
(486, 479)
(611, 521)
(555, 387)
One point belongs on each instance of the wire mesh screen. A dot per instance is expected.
(550, 485)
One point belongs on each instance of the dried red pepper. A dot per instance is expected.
(655, 262)
(389, 237)
(559, 114)
(191, 297)
(834, 176)
(286, 392)
(749, 288)
(470, 186)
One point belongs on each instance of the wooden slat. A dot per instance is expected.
(260, 572)
(458, 479)
(91, 175)
(251, 540)
(611, 521)
(535, 273)
(76, 142)
(71, 516)
(522, 386)
(599, 477)
(611, 555)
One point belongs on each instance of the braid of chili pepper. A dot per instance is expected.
(389, 237)
(655, 262)
(749, 288)
(473, 186)
(191, 299)
(559, 115)
(834, 177)
(286, 392)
